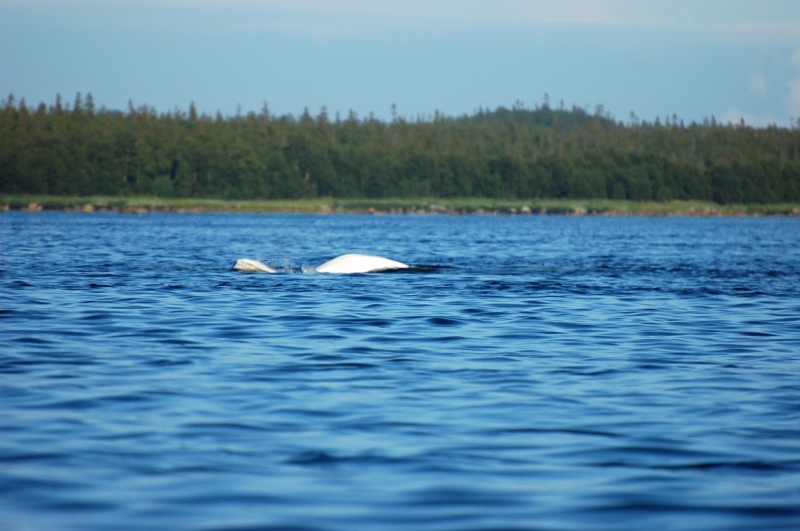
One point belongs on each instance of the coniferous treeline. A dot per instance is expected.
(507, 153)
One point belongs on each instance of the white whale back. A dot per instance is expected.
(345, 264)
(359, 263)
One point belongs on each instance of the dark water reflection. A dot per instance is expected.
(543, 373)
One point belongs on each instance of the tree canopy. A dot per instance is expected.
(504, 153)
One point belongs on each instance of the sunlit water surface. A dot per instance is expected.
(538, 372)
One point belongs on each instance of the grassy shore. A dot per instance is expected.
(142, 205)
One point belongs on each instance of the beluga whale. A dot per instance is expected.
(345, 264)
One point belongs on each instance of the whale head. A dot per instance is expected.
(251, 266)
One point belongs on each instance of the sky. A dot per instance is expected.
(731, 59)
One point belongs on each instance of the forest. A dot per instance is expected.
(78, 150)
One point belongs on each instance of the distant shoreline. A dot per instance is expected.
(456, 206)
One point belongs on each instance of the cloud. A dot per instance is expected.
(735, 117)
(343, 18)
(792, 99)
(770, 18)
(795, 60)
(757, 84)
(405, 12)
(771, 29)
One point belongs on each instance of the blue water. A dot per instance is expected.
(537, 372)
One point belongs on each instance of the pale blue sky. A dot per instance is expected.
(697, 58)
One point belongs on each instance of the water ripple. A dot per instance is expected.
(535, 373)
